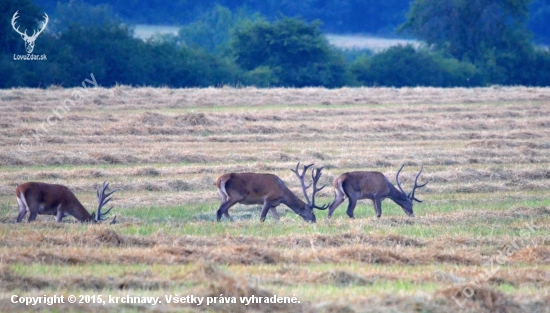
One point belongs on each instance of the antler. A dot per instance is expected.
(102, 199)
(416, 185)
(315, 176)
(397, 180)
(301, 178)
(13, 24)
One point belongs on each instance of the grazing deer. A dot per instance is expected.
(52, 199)
(268, 190)
(374, 186)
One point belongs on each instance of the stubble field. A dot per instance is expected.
(479, 241)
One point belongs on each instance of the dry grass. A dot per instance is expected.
(483, 299)
(31, 247)
(470, 144)
(484, 151)
(346, 260)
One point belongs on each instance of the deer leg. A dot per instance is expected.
(378, 207)
(265, 208)
(34, 209)
(33, 215)
(20, 216)
(223, 196)
(59, 215)
(273, 211)
(351, 207)
(224, 209)
(338, 199)
(22, 210)
(226, 214)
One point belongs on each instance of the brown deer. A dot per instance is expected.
(374, 186)
(268, 190)
(52, 199)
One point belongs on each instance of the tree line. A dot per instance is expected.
(338, 16)
(485, 42)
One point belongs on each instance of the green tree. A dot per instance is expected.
(102, 45)
(115, 56)
(468, 29)
(78, 12)
(538, 20)
(492, 34)
(405, 66)
(290, 51)
(211, 31)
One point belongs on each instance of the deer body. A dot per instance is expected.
(265, 189)
(374, 186)
(52, 199)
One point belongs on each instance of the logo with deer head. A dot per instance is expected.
(29, 40)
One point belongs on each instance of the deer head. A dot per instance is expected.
(315, 176)
(29, 40)
(410, 195)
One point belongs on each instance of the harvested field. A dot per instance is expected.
(479, 241)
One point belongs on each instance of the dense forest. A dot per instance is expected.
(241, 43)
(337, 16)
(347, 16)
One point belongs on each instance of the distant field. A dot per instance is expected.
(376, 44)
(145, 31)
(485, 151)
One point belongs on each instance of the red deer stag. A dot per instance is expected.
(51, 199)
(374, 186)
(268, 190)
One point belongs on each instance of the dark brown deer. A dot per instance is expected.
(374, 186)
(52, 199)
(269, 191)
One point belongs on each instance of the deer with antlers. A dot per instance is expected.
(29, 40)
(52, 199)
(374, 186)
(269, 191)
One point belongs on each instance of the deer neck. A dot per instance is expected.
(398, 197)
(292, 201)
(78, 211)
